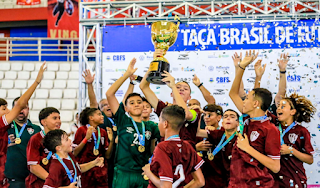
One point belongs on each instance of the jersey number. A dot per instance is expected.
(179, 170)
(136, 138)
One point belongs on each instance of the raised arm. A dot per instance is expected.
(130, 88)
(23, 101)
(99, 161)
(148, 93)
(111, 97)
(89, 80)
(259, 70)
(234, 91)
(236, 60)
(205, 93)
(284, 59)
(111, 143)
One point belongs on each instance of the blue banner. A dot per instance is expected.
(218, 36)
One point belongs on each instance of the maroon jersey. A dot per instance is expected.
(188, 132)
(246, 171)
(292, 172)
(217, 171)
(3, 147)
(173, 160)
(35, 153)
(57, 174)
(95, 177)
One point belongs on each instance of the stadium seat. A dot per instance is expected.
(65, 127)
(74, 66)
(3, 93)
(28, 67)
(32, 96)
(62, 75)
(55, 94)
(13, 93)
(56, 103)
(52, 66)
(9, 101)
(11, 75)
(30, 82)
(7, 84)
(16, 66)
(70, 94)
(65, 67)
(46, 84)
(42, 93)
(34, 116)
(73, 75)
(34, 74)
(49, 75)
(20, 84)
(68, 104)
(67, 115)
(73, 84)
(4, 66)
(60, 84)
(39, 104)
(1, 75)
(38, 65)
(23, 75)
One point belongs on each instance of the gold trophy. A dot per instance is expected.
(163, 35)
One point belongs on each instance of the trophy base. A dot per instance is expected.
(157, 67)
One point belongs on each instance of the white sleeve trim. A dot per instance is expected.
(4, 120)
(47, 186)
(274, 157)
(32, 162)
(199, 165)
(163, 178)
(312, 153)
(74, 145)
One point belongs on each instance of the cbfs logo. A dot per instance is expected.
(119, 58)
(221, 80)
(293, 78)
(211, 80)
(108, 58)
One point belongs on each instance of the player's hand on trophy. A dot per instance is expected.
(249, 58)
(196, 80)
(168, 79)
(236, 59)
(158, 53)
(283, 61)
(259, 69)
(88, 77)
(131, 70)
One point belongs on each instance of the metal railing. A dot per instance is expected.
(41, 48)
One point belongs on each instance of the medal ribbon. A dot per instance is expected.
(221, 145)
(96, 143)
(241, 123)
(18, 134)
(50, 153)
(260, 118)
(173, 136)
(141, 140)
(285, 131)
(72, 179)
(112, 122)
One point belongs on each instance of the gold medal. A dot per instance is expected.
(141, 149)
(96, 152)
(210, 156)
(18, 141)
(45, 161)
(145, 177)
(200, 154)
(114, 128)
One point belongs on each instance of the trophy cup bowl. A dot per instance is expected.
(163, 35)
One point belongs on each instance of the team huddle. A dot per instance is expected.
(117, 145)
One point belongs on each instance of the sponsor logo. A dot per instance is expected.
(113, 80)
(141, 57)
(223, 56)
(187, 69)
(183, 57)
(211, 80)
(219, 92)
(250, 67)
(292, 137)
(109, 70)
(291, 66)
(293, 90)
(130, 130)
(149, 57)
(223, 104)
(175, 69)
(293, 78)
(212, 56)
(251, 79)
(318, 163)
(319, 114)
(183, 79)
(121, 70)
(318, 65)
(221, 80)
(222, 68)
(211, 68)
(319, 127)
(108, 58)
(119, 93)
(254, 135)
(119, 58)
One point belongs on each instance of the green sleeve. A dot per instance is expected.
(155, 130)
(119, 116)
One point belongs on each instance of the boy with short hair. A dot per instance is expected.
(38, 157)
(65, 170)
(173, 159)
(253, 157)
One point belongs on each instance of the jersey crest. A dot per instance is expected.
(30, 130)
(292, 137)
(148, 135)
(254, 135)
